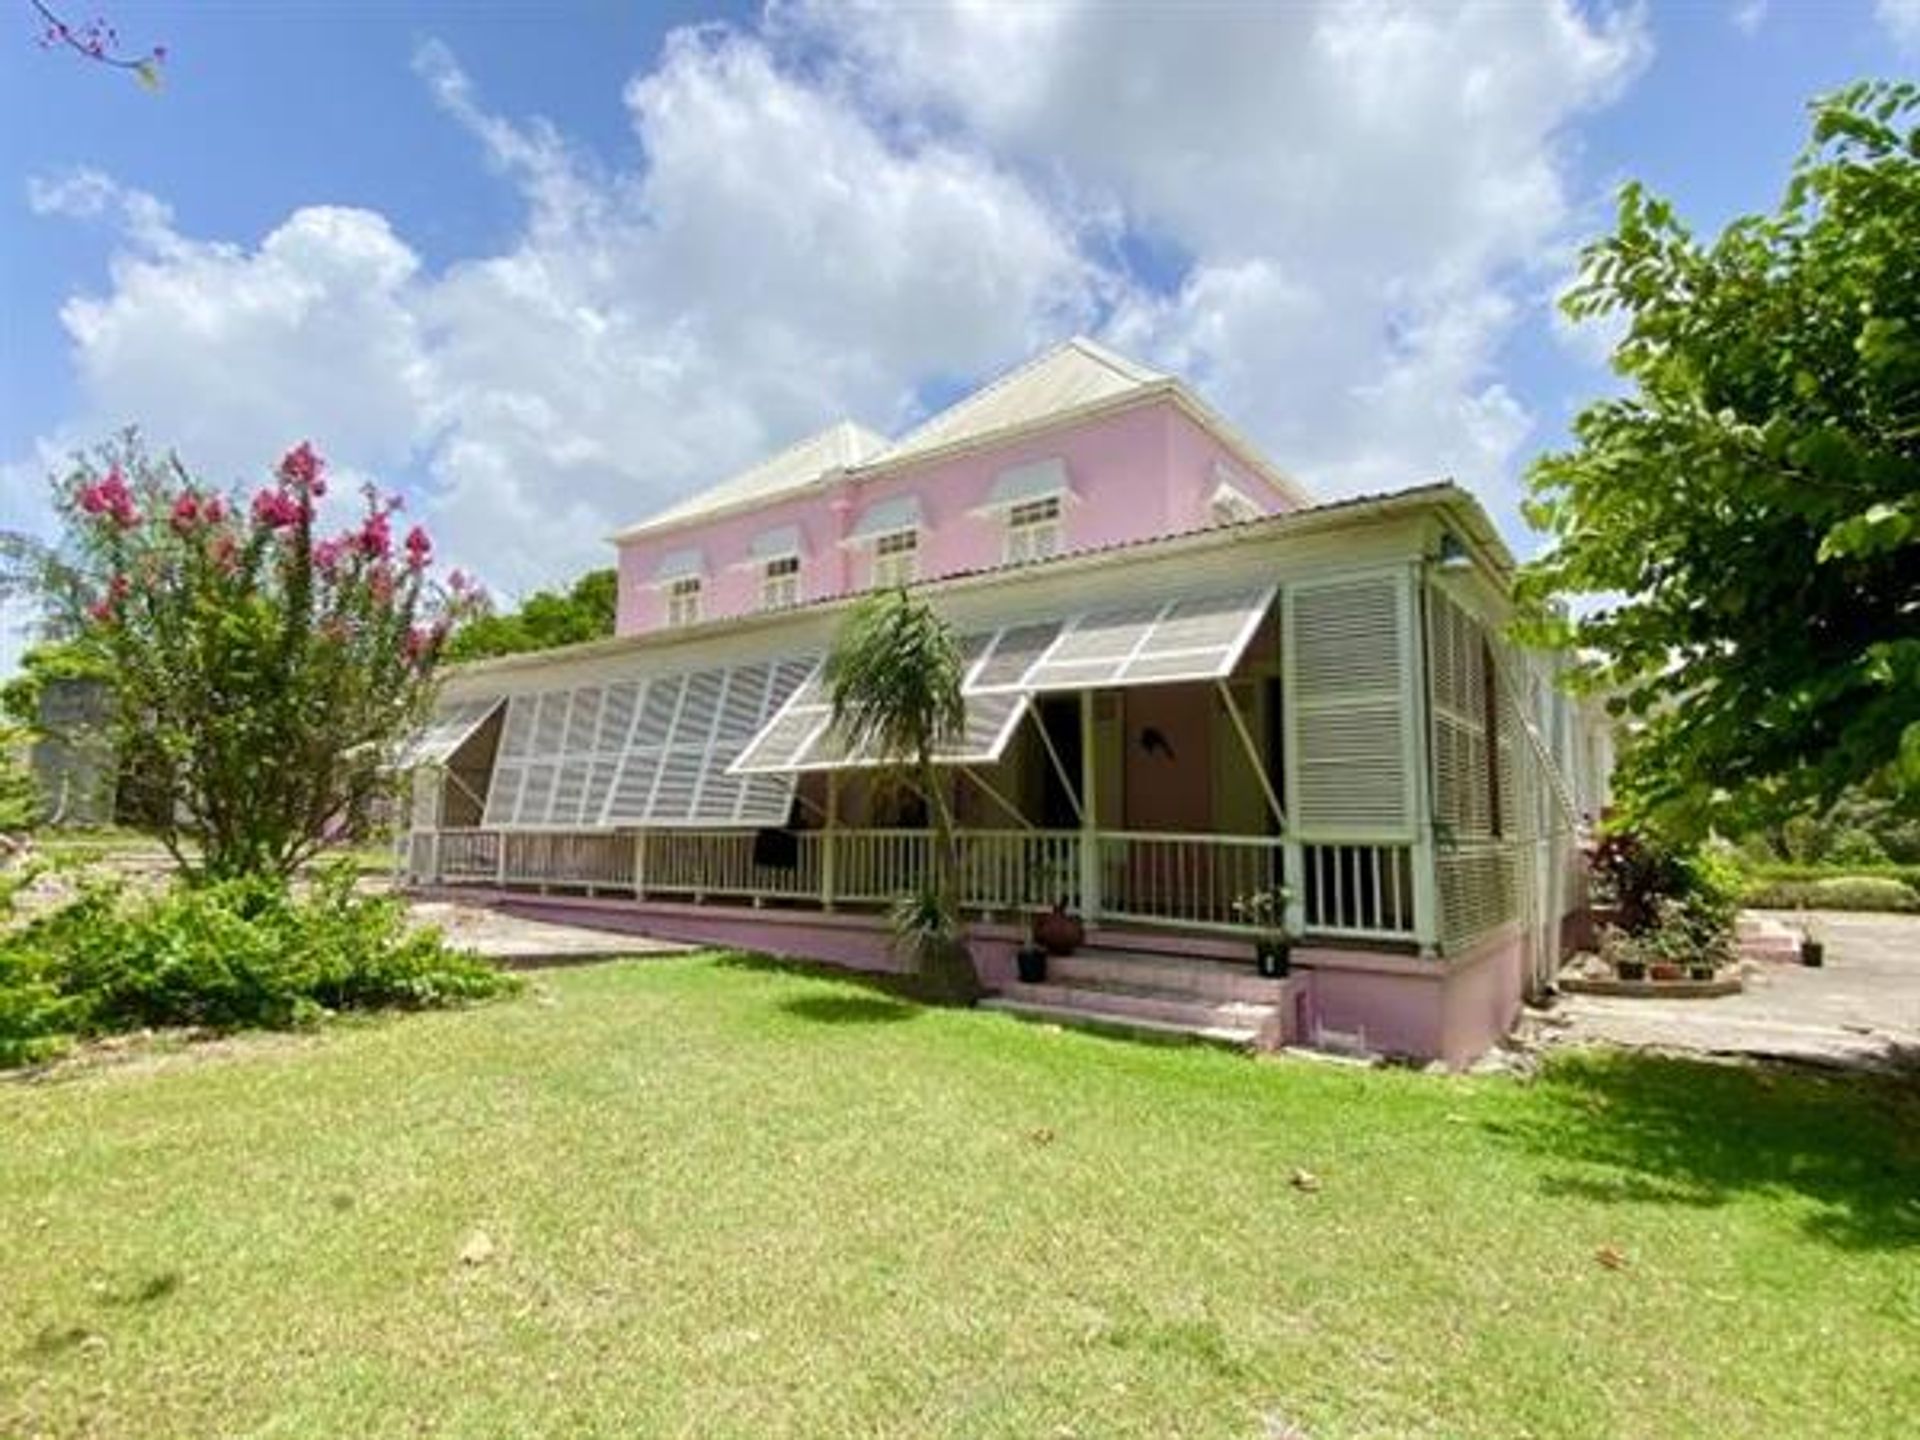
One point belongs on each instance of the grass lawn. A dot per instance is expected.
(721, 1198)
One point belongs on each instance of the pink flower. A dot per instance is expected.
(326, 554)
(380, 583)
(186, 513)
(110, 496)
(276, 509)
(214, 511)
(417, 644)
(301, 468)
(419, 548)
(458, 582)
(376, 536)
(226, 554)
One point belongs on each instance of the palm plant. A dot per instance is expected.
(894, 683)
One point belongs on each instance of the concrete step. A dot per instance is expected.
(1231, 1036)
(1256, 1022)
(1761, 937)
(1220, 980)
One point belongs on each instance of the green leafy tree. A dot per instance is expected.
(893, 679)
(1744, 522)
(261, 673)
(545, 620)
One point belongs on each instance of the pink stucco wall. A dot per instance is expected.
(1137, 473)
(1452, 1011)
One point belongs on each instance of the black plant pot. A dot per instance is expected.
(1813, 953)
(1700, 972)
(1273, 959)
(1631, 970)
(1031, 963)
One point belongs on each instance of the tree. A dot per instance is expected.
(261, 674)
(893, 679)
(99, 42)
(1745, 521)
(546, 619)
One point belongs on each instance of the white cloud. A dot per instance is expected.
(1748, 16)
(1359, 200)
(1366, 195)
(1902, 21)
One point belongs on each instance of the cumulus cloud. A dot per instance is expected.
(1349, 206)
(1901, 18)
(1364, 196)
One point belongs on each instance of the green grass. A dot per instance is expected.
(729, 1199)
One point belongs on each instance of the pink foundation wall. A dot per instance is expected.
(1137, 473)
(1452, 1011)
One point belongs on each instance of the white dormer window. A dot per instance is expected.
(683, 600)
(896, 559)
(1230, 506)
(780, 582)
(1033, 530)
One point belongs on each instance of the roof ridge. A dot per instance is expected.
(812, 437)
(1128, 370)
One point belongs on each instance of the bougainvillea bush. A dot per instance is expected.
(263, 669)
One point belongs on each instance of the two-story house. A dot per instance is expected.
(1191, 691)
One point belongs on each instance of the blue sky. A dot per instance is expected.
(546, 266)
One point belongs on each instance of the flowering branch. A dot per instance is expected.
(99, 42)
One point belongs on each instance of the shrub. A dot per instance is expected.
(239, 953)
(1840, 892)
(1905, 874)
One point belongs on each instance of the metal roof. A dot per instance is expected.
(838, 447)
(1075, 373)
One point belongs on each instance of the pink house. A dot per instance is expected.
(1193, 696)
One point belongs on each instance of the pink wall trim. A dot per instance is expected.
(1137, 473)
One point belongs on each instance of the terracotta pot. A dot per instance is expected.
(1059, 931)
(1667, 971)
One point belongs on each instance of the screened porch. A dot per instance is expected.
(1160, 763)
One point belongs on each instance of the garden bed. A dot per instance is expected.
(1728, 982)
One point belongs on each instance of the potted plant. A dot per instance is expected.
(1030, 960)
(1266, 911)
(1059, 931)
(1813, 949)
(1620, 951)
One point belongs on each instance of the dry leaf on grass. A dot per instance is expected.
(1305, 1180)
(1610, 1257)
(478, 1249)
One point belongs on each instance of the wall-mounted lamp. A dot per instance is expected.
(1452, 556)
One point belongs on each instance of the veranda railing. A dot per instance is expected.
(1190, 881)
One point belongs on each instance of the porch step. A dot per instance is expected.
(1149, 1010)
(1096, 968)
(1230, 1037)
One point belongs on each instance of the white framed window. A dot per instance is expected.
(1033, 530)
(780, 582)
(683, 600)
(896, 559)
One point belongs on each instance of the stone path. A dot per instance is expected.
(517, 942)
(1861, 1009)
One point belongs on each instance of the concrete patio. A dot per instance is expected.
(1862, 1009)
